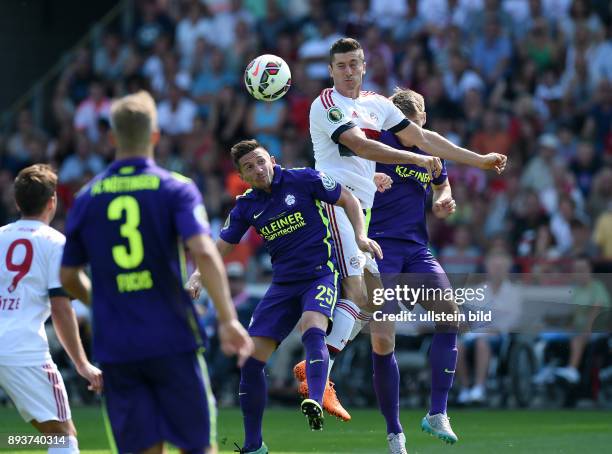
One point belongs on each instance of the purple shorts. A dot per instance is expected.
(406, 257)
(410, 264)
(283, 304)
(165, 398)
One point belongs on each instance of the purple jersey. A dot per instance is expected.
(292, 222)
(399, 212)
(129, 223)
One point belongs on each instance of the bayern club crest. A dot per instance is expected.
(289, 200)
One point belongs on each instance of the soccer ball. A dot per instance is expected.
(267, 78)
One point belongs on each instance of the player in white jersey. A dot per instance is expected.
(30, 291)
(344, 125)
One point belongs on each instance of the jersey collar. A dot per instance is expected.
(135, 161)
(278, 173)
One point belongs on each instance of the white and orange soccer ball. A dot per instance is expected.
(267, 77)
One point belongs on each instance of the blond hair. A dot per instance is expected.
(408, 101)
(133, 120)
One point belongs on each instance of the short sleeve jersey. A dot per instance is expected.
(291, 221)
(129, 224)
(399, 212)
(30, 255)
(331, 114)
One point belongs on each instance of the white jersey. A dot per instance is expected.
(330, 115)
(30, 258)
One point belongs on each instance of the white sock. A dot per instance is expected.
(72, 447)
(330, 365)
(363, 318)
(345, 314)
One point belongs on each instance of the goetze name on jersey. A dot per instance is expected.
(331, 114)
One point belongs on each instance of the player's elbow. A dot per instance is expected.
(68, 277)
(362, 147)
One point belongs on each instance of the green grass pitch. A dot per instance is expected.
(286, 432)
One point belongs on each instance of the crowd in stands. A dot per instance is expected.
(531, 79)
(528, 78)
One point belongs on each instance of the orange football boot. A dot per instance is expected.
(331, 403)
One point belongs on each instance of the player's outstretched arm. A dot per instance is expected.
(67, 329)
(443, 204)
(234, 338)
(356, 141)
(352, 208)
(436, 145)
(76, 283)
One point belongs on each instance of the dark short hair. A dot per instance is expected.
(342, 46)
(242, 148)
(34, 187)
(408, 101)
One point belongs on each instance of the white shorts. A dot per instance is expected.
(349, 257)
(38, 392)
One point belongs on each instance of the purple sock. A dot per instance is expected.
(386, 385)
(443, 360)
(317, 362)
(253, 394)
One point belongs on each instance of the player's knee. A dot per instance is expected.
(264, 347)
(382, 343)
(354, 290)
(312, 319)
(56, 427)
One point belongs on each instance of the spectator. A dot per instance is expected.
(93, 108)
(196, 23)
(76, 166)
(540, 47)
(601, 193)
(503, 299)
(461, 257)
(492, 138)
(584, 167)
(166, 156)
(273, 23)
(314, 52)
(227, 112)
(388, 13)
(210, 82)
(580, 15)
(18, 146)
(111, 59)
(177, 113)
(358, 20)
(491, 53)
(225, 23)
(265, 121)
(459, 79)
(152, 23)
(598, 126)
(528, 216)
(538, 173)
(601, 234)
(589, 296)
